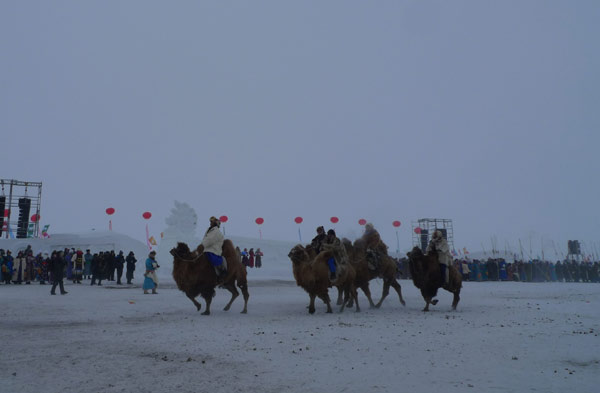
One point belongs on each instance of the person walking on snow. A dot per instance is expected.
(150, 280)
(57, 266)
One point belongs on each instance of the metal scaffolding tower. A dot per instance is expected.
(423, 229)
(23, 198)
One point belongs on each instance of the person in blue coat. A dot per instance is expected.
(7, 268)
(150, 279)
(502, 270)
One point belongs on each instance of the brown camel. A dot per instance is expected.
(312, 274)
(386, 270)
(427, 276)
(346, 284)
(195, 275)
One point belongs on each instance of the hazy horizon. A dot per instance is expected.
(486, 113)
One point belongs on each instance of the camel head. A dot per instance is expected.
(182, 250)
(298, 254)
(416, 253)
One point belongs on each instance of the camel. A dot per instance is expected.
(195, 275)
(312, 274)
(386, 270)
(427, 276)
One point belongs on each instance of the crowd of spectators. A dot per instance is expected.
(497, 269)
(70, 264)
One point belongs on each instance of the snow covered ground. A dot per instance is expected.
(507, 337)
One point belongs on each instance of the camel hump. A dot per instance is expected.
(229, 244)
(228, 248)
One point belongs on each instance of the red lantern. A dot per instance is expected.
(223, 219)
(110, 211)
(259, 220)
(418, 230)
(396, 224)
(362, 221)
(35, 218)
(298, 220)
(147, 215)
(334, 220)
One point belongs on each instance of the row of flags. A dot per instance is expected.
(30, 230)
(460, 252)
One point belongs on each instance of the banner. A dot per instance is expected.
(45, 231)
(152, 240)
(148, 238)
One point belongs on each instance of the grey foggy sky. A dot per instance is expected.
(485, 112)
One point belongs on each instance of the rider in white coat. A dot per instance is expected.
(439, 244)
(213, 247)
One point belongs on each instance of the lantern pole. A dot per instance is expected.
(148, 238)
(397, 243)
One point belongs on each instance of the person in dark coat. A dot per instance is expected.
(109, 266)
(119, 262)
(87, 270)
(245, 257)
(559, 271)
(97, 268)
(57, 266)
(130, 266)
(109, 259)
(319, 239)
(258, 258)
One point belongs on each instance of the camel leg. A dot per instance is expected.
(311, 305)
(234, 293)
(208, 301)
(354, 293)
(367, 292)
(427, 301)
(327, 301)
(384, 293)
(246, 294)
(339, 299)
(346, 298)
(398, 289)
(350, 302)
(456, 299)
(198, 305)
